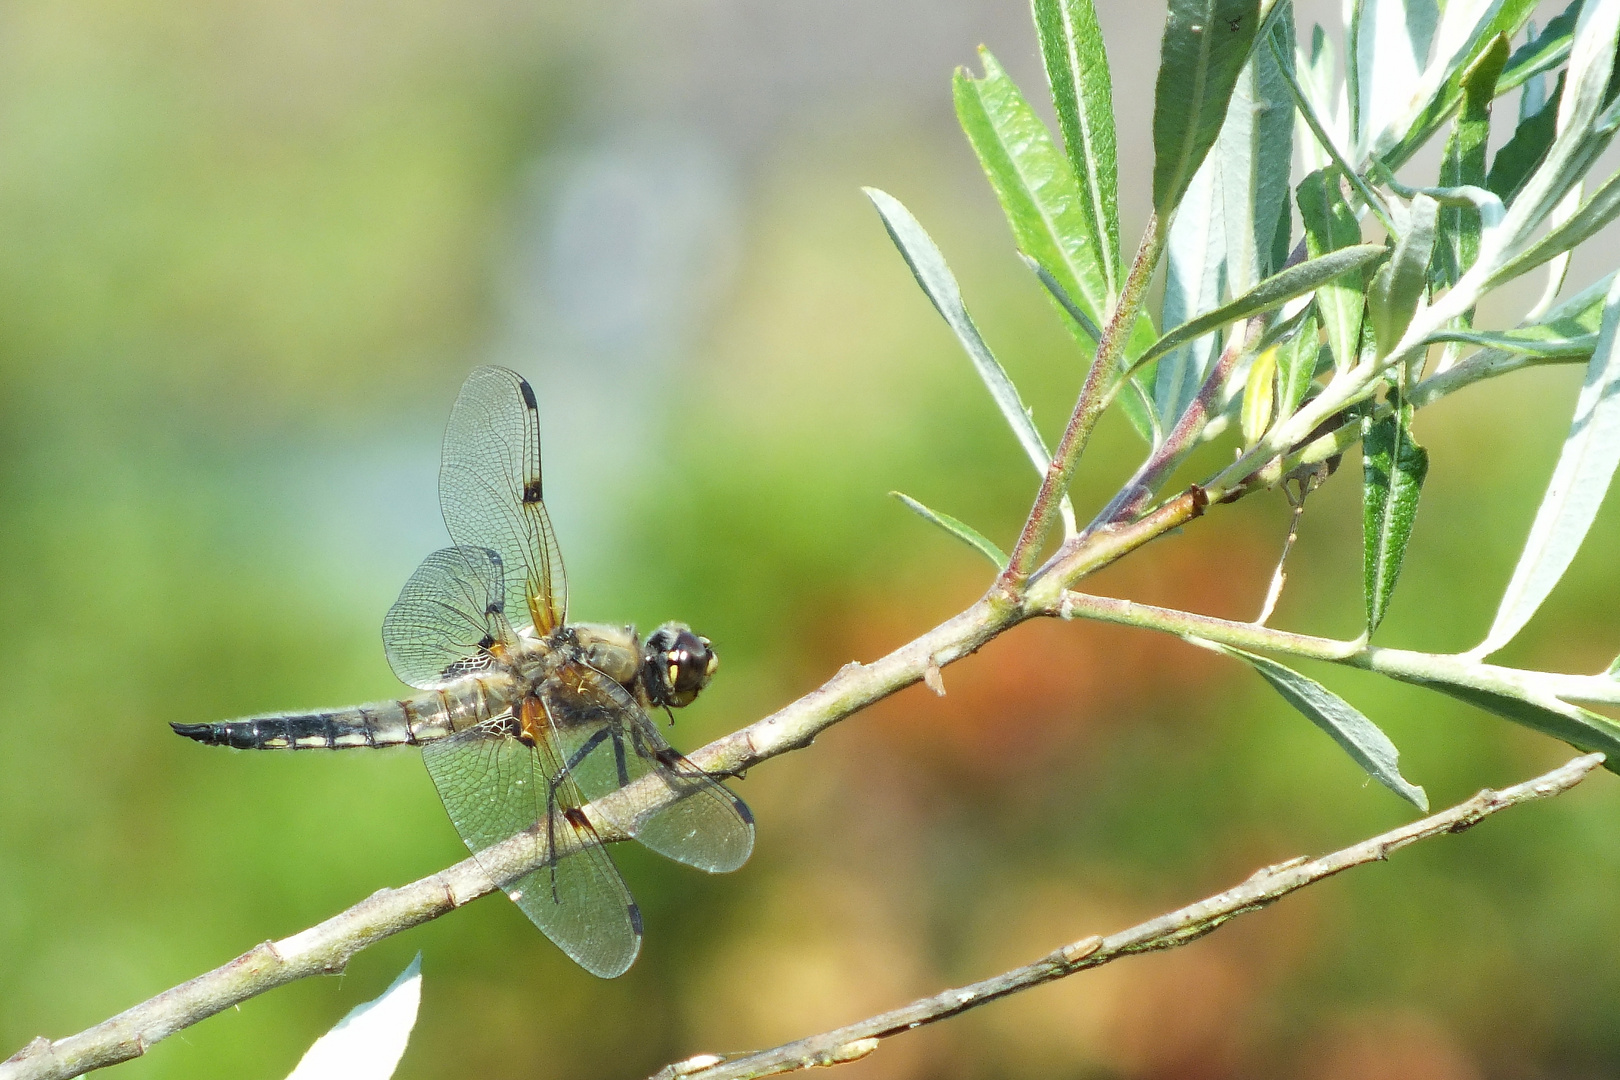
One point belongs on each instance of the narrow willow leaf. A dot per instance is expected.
(1456, 53)
(367, 1043)
(1393, 468)
(1580, 728)
(1358, 736)
(1521, 341)
(1320, 93)
(959, 529)
(1194, 275)
(1392, 42)
(1203, 49)
(1037, 191)
(1521, 154)
(1582, 225)
(1579, 139)
(1330, 225)
(1462, 164)
(1585, 467)
(1273, 292)
(1255, 151)
(1542, 52)
(1033, 182)
(928, 266)
(1398, 288)
(1259, 395)
(1614, 669)
(1082, 92)
(1296, 365)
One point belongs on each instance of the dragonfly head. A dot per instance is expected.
(676, 664)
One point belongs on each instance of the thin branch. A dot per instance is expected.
(1179, 927)
(1094, 396)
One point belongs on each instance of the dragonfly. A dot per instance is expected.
(526, 719)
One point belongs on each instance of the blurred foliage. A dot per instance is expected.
(252, 249)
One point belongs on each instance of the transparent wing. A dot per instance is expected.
(495, 787)
(606, 742)
(490, 492)
(448, 617)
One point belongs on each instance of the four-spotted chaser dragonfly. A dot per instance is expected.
(525, 719)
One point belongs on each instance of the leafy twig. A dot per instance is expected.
(1167, 931)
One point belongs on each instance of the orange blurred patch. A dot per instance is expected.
(1047, 686)
(1388, 1046)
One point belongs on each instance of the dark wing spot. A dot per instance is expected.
(531, 491)
(486, 641)
(528, 393)
(576, 817)
(635, 919)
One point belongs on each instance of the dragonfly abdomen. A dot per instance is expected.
(406, 722)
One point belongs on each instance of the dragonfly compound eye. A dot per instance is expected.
(677, 664)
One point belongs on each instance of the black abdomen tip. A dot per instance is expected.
(201, 732)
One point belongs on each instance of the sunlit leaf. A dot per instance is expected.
(1203, 49)
(1195, 269)
(928, 266)
(1546, 51)
(1393, 468)
(1398, 287)
(1330, 225)
(1296, 364)
(1580, 728)
(1359, 737)
(368, 1043)
(1082, 93)
(1273, 292)
(1582, 225)
(1521, 341)
(1585, 467)
(959, 529)
(1259, 395)
(1032, 180)
(1391, 41)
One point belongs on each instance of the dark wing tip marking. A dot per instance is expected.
(742, 809)
(531, 492)
(635, 918)
(527, 391)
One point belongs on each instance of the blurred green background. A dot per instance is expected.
(250, 252)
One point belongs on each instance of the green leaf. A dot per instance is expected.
(1032, 180)
(1203, 49)
(1330, 226)
(1273, 292)
(1358, 736)
(1521, 154)
(1077, 69)
(928, 266)
(1545, 52)
(1390, 43)
(1580, 728)
(1462, 164)
(1614, 669)
(1393, 467)
(959, 529)
(1588, 219)
(1535, 341)
(1296, 365)
(1259, 396)
(1398, 287)
(1580, 480)
(1466, 33)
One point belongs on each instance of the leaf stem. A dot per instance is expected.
(1094, 394)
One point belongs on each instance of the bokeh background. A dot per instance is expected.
(249, 252)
